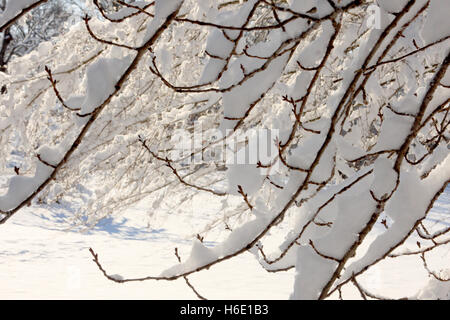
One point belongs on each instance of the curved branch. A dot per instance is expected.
(86, 19)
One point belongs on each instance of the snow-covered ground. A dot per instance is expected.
(40, 259)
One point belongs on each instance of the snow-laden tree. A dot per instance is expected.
(39, 25)
(164, 100)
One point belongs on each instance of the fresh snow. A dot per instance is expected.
(437, 25)
(41, 259)
(45, 249)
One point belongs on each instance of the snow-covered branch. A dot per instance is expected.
(319, 120)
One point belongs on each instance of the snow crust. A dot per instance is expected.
(437, 25)
(101, 79)
(21, 187)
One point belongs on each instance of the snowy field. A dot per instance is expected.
(41, 259)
